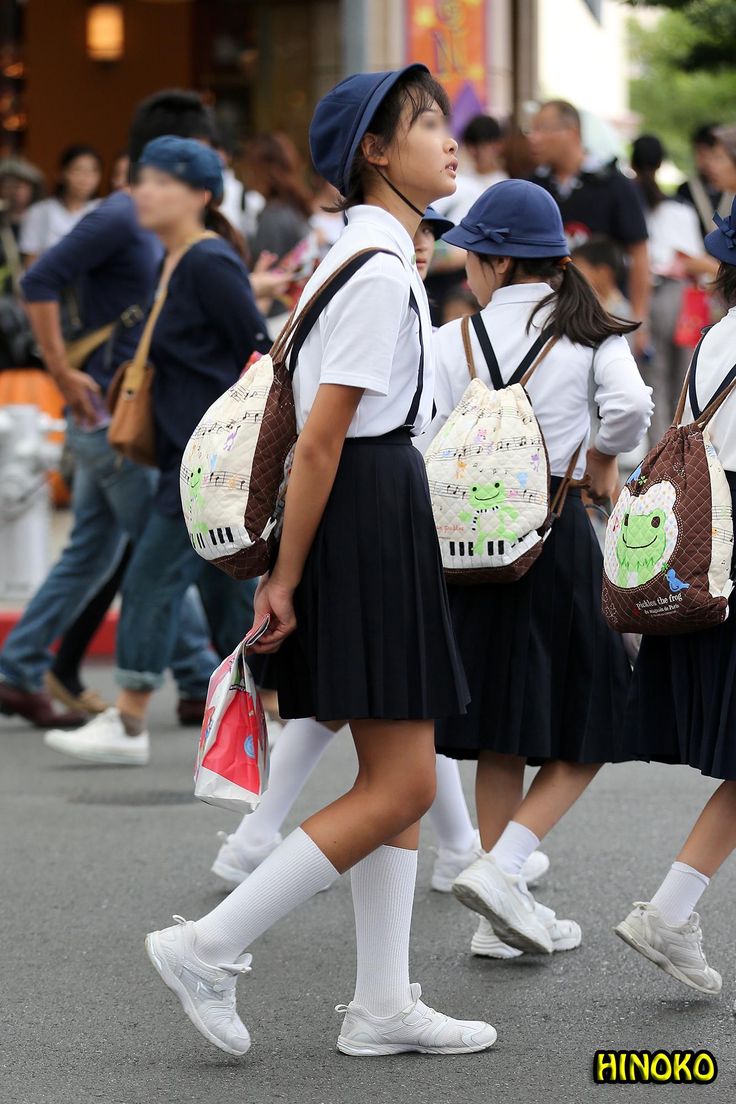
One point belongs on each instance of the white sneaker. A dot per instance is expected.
(566, 935)
(207, 993)
(234, 863)
(449, 864)
(102, 740)
(504, 900)
(417, 1028)
(535, 868)
(676, 949)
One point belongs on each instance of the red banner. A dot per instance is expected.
(449, 36)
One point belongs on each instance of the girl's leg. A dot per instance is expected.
(449, 814)
(393, 789)
(499, 791)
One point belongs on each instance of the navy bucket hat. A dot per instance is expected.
(438, 224)
(514, 218)
(343, 117)
(187, 160)
(721, 243)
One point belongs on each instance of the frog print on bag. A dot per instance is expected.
(646, 532)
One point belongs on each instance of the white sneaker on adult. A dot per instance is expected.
(415, 1028)
(504, 900)
(675, 948)
(102, 740)
(535, 868)
(234, 862)
(449, 864)
(207, 993)
(565, 936)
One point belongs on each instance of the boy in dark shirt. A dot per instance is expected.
(593, 198)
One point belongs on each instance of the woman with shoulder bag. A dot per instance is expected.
(203, 327)
(548, 679)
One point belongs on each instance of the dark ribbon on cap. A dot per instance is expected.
(728, 231)
(480, 231)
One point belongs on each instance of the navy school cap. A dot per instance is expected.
(721, 242)
(343, 117)
(513, 218)
(187, 160)
(438, 224)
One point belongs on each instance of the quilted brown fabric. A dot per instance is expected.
(667, 503)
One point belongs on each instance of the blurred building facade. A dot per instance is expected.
(264, 63)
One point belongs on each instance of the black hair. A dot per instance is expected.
(577, 313)
(647, 155)
(482, 128)
(566, 111)
(599, 250)
(704, 136)
(215, 221)
(68, 156)
(418, 88)
(169, 112)
(724, 285)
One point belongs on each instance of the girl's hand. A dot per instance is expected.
(602, 473)
(274, 600)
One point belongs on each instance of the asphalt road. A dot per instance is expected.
(92, 858)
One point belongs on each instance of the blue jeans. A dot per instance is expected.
(111, 499)
(163, 567)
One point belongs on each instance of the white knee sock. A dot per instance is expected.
(514, 847)
(383, 897)
(298, 750)
(449, 814)
(679, 893)
(291, 874)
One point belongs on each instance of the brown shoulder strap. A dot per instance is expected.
(469, 359)
(533, 367)
(561, 494)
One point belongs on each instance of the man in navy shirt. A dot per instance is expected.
(594, 198)
(113, 264)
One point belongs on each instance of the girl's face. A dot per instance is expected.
(81, 178)
(486, 276)
(421, 159)
(722, 169)
(423, 248)
(165, 203)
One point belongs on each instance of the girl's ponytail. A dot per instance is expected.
(577, 312)
(215, 220)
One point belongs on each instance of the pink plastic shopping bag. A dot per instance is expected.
(232, 759)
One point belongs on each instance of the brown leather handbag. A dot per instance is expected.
(130, 395)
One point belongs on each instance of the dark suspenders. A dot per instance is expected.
(692, 392)
(306, 321)
(492, 360)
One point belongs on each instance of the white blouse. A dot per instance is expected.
(561, 385)
(716, 359)
(368, 336)
(47, 222)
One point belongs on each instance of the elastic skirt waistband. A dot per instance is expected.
(395, 437)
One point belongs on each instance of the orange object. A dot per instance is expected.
(449, 36)
(34, 387)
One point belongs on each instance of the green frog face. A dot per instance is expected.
(641, 544)
(487, 496)
(195, 481)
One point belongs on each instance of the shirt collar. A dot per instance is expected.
(366, 213)
(520, 293)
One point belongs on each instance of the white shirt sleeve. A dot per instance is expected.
(360, 326)
(624, 400)
(33, 230)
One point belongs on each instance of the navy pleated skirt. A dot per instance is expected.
(548, 679)
(374, 637)
(682, 707)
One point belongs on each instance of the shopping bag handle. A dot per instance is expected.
(255, 634)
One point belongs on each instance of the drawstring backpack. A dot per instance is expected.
(236, 465)
(669, 540)
(488, 472)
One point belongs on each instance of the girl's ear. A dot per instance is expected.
(373, 150)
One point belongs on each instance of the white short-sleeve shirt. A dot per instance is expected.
(45, 223)
(560, 387)
(716, 358)
(368, 335)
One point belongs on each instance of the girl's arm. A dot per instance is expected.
(316, 459)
